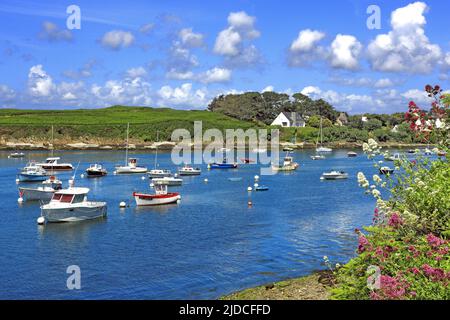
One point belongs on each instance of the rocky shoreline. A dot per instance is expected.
(169, 145)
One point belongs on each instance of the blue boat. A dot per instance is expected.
(262, 188)
(223, 165)
(32, 173)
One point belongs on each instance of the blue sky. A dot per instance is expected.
(181, 54)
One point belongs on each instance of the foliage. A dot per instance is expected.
(409, 240)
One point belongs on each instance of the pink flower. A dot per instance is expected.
(363, 244)
(434, 241)
(390, 288)
(395, 220)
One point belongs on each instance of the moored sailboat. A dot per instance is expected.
(131, 164)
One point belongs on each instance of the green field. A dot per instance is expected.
(109, 123)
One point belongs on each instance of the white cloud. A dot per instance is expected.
(305, 49)
(227, 42)
(233, 42)
(136, 92)
(136, 72)
(83, 72)
(405, 48)
(40, 84)
(147, 28)
(175, 75)
(6, 93)
(384, 83)
(215, 75)
(190, 39)
(51, 32)
(345, 51)
(183, 96)
(418, 96)
(268, 89)
(117, 39)
(364, 82)
(306, 40)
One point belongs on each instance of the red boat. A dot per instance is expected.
(160, 197)
(245, 160)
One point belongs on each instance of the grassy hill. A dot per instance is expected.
(108, 123)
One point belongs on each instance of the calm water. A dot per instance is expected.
(208, 245)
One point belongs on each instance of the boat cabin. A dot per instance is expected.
(71, 195)
(52, 160)
(132, 162)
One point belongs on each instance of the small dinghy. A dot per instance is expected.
(16, 155)
(386, 170)
(53, 164)
(168, 181)
(262, 188)
(41, 193)
(334, 175)
(352, 154)
(189, 171)
(32, 173)
(96, 170)
(441, 153)
(160, 197)
(318, 157)
(395, 157)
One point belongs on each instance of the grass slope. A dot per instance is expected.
(110, 122)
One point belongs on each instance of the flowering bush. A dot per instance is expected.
(408, 242)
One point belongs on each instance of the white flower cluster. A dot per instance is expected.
(362, 180)
(371, 148)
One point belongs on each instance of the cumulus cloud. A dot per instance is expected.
(190, 39)
(7, 94)
(405, 48)
(364, 82)
(233, 42)
(345, 51)
(183, 96)
(304, 49)
(136, 92)
(117, 39)
(175, 75)
(215, 75)
(51, 32)
(84, 72)
(268, 89)
(137, 72)
(40, 84)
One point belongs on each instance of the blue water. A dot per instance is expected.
(209, 245)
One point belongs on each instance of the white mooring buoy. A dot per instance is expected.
(82, 176)
(123, 204)
(41, 220)
(17, 180)
(206, 180)
(256, 185)
(20, 200)
(249, 189)
(256, 178)
(143, 178)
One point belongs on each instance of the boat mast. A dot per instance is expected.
(126, 147)
(156, 155)
(321, 131)
(53, 141)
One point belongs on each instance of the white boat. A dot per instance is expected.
(427, 152)
(288, 164)
(42, 193)
(32, 172)
(168, 181)
(159, 173)
(321, 148)
(70, 205)
(160, 197)
(16, 155)
(130, 163)
(386, 170)
(352, 154)
(389, 157)
(53, 164)
(189, 171)
(335, 175)
(318, 157)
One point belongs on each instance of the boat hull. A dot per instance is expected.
(29, 194)
(23, 177)
(155, 200)
(94, 174)
(335, 177)
(73, 214)
(189, 173)
(159, 175)
(177, 182)
(131, 170)
(56, 167)
(223, 166)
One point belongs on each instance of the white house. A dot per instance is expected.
(289, 119)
